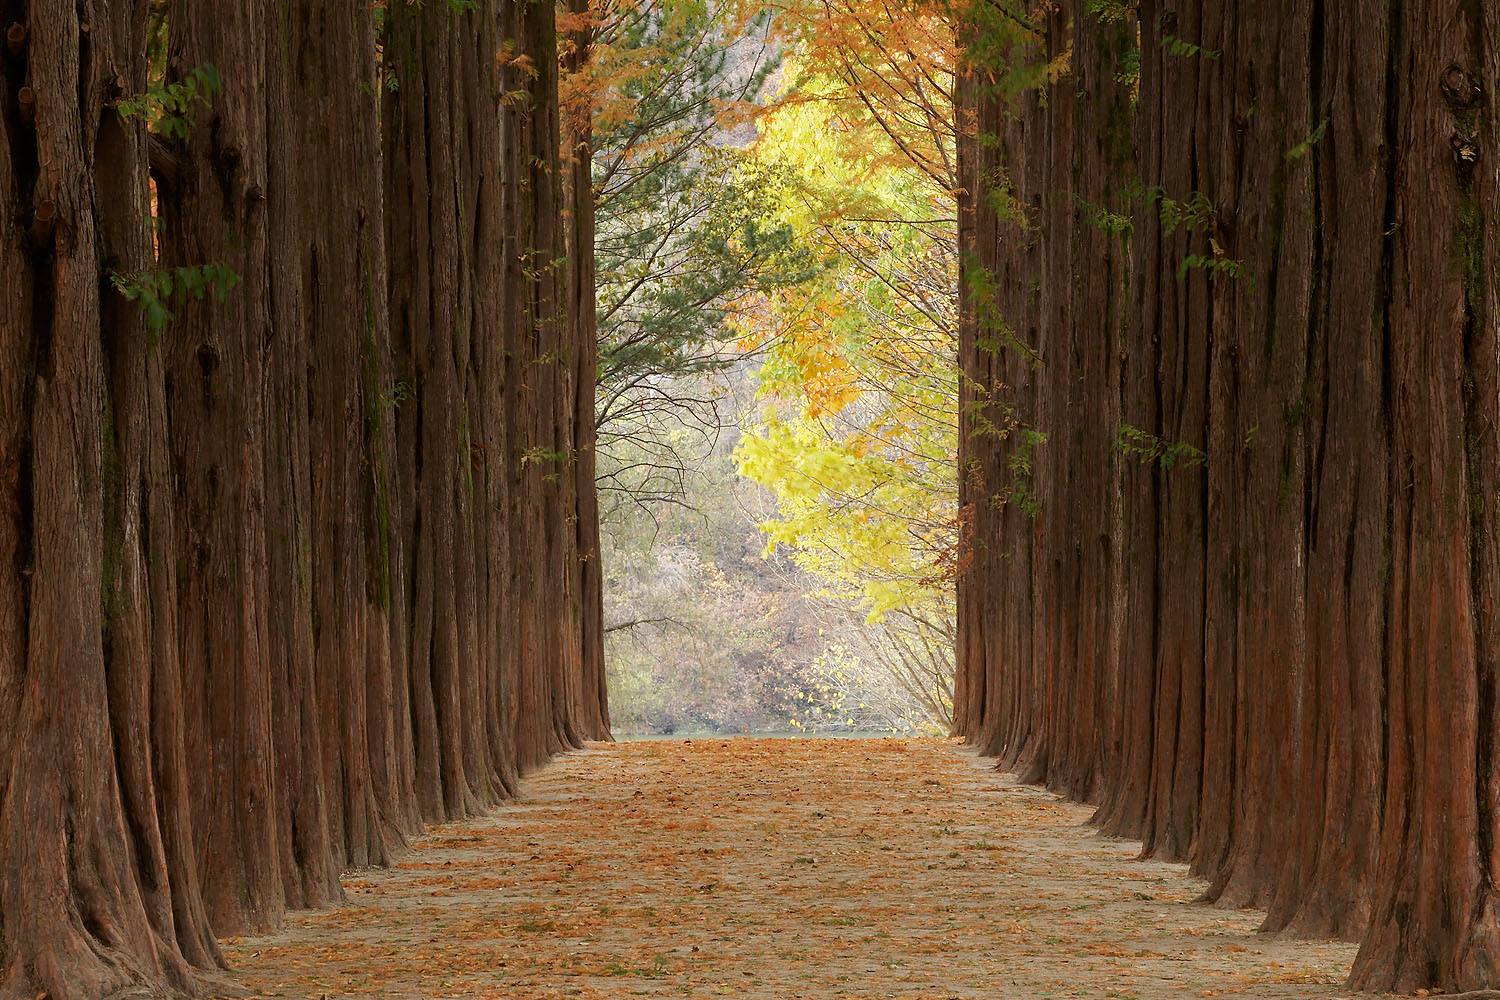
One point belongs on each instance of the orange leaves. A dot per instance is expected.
(780, 869)
(506, 57)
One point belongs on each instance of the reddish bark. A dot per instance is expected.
(206, 537)
(1296, 692)
(577, 153)
(214, 214)
(1434, 920)
(96, 884)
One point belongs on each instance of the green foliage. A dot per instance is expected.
(151, 291)
(1148, 449)
(538, 455)
(1003, 37)
(1180, 47)
(1110, 10)
(1214, 266)
(170, 109)
(1021, 461)
(1195, 213)
(1112, 223)
(680, 232)
(994, 333)
(683, 235)
(1304, 147)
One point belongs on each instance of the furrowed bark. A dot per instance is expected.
(214, 216)
(1434, 916)
(1302, 605)
(96, 888)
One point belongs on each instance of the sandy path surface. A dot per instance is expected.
(780, 869)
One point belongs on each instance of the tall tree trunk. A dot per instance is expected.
(583, 342)
(310, 861)
(1434, 919)
(331, 49)
(214, 215)
(97, 890)
(443, 213)
(1040, 492)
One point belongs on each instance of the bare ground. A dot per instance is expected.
(778, 869)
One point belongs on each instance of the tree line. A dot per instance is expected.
(297, 515)
(1229, 452)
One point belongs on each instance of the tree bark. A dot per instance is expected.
(214, 214)
(1434, 918)
(1298, 679)
(592, 710)
(97, 889)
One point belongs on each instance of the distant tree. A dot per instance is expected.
(673, 88)
(860, 364)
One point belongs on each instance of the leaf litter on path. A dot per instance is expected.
(902, 869)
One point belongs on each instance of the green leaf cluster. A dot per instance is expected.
(170, 109)
(152, 291)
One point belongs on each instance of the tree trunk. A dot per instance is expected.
(443, 216)
(1305, 529)
(1434, 919)
(331, 51)
(214, 214)
(97, 889)
(583, 340)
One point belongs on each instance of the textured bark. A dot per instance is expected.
(258, 614)
(310, 862)
(331, 52)
(97, 890)
(1044, 293)
(442, 141)
(577, 154)
(1434, 919)
(214, 214)
(1298, 684)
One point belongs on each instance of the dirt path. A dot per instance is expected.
(778, 869)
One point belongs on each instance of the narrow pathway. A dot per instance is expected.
(780, 869)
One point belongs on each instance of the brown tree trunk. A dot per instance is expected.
(310, 861)
(214, 214)
(592, 710)
(331, 52)
(97, 888)
(1434, 921)
(1039, 488)
(443, 215)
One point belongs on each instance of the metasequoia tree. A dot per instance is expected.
(95, 819)
(294, 524)
(1229, 447)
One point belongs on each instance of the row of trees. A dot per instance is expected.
(297, 519)
(1230, 450)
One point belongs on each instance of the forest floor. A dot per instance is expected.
(778, 869)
